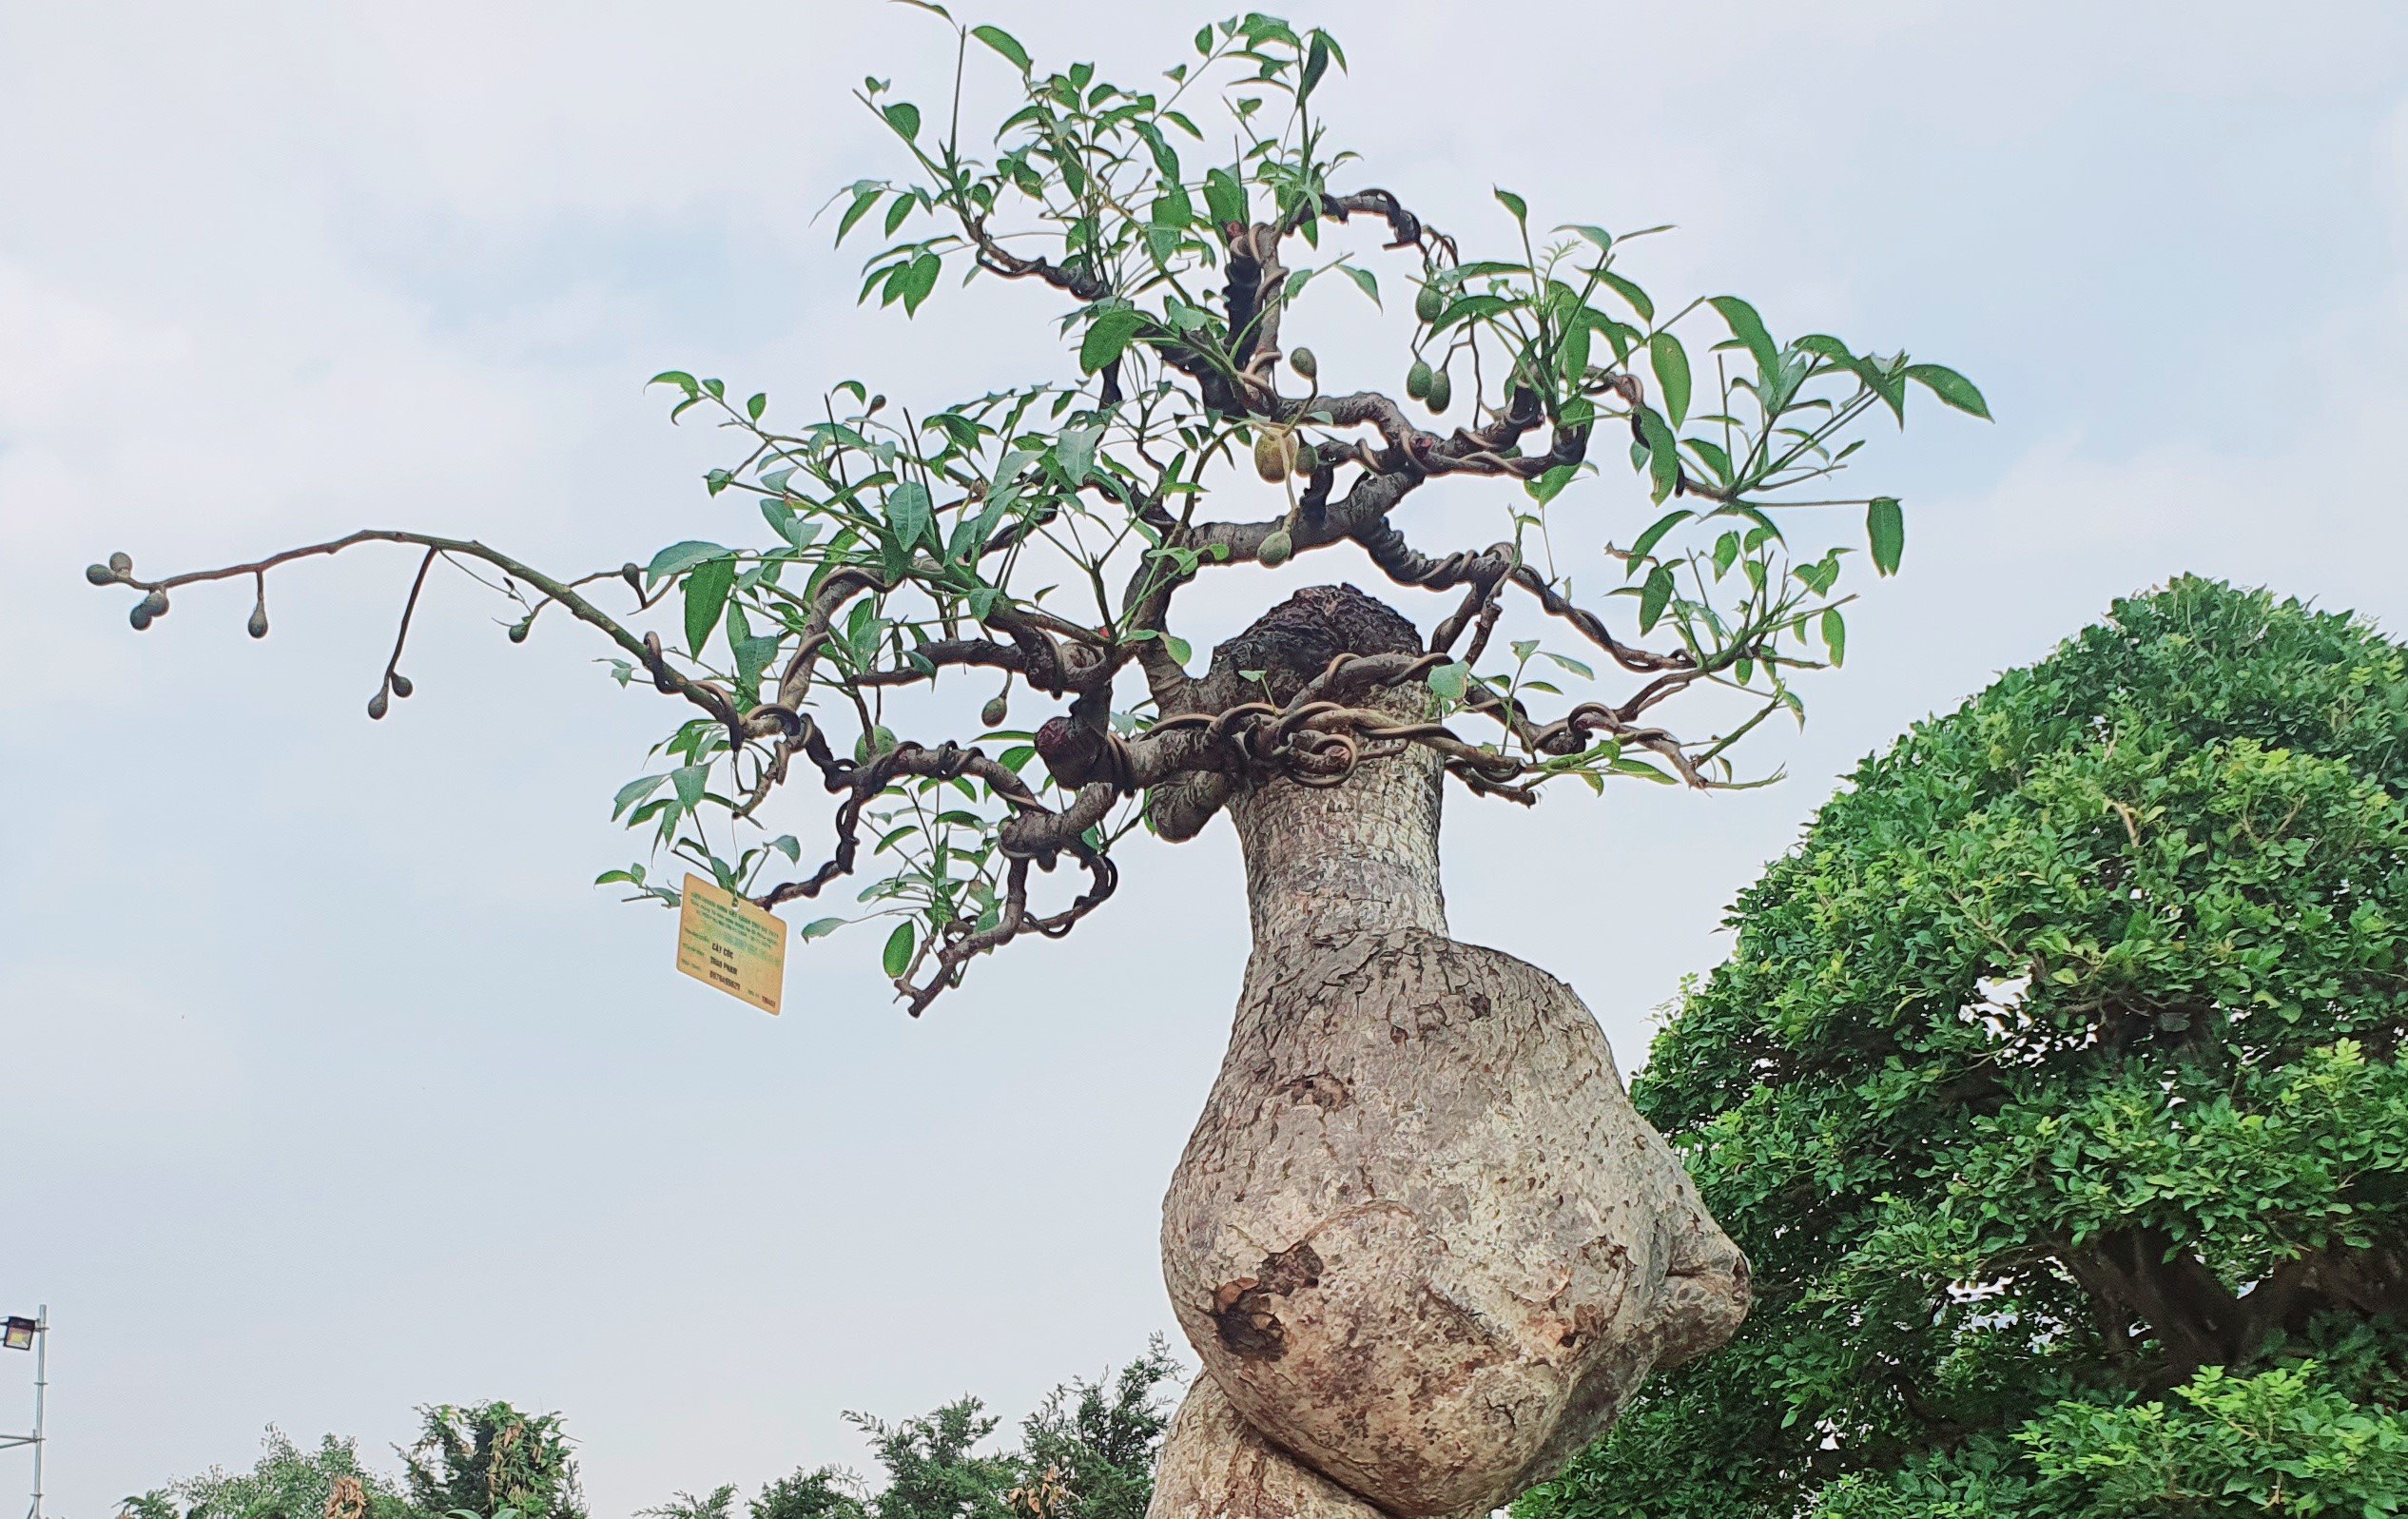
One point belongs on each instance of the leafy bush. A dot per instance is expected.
(2053, 1089)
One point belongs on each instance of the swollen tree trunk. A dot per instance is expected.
(1420, 1239)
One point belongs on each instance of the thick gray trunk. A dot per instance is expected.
(1420, 1239)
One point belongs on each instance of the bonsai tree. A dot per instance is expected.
(1420, 1241)
(2054, 1088)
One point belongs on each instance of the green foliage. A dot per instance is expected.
(482, 1457)
(1069, 509)
(720, 1503)
(2053, 1089)
(285, 1483)
(824, 1493)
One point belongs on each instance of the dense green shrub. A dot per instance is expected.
(2053, 1089)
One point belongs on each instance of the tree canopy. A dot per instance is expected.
(1032, 540)
(2053, 1089)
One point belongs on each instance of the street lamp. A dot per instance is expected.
(20, 1333)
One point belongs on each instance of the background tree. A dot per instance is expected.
(285, 1483)
(1034, 540)
(484, 1457)
(2053, 1087)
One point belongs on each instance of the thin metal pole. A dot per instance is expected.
(41, 1387)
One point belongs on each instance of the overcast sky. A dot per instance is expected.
(327, 1086)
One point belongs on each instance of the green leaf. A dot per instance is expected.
(1003, 42)
(1629, 292)
(1598, 235)
(819, 928)
(899, 946)
(904, 118)
(1663, 451)
(680, 556)
(1363, 280)
(692, 781)
(1671, 364)
(1224, 198)
(919, 280)
(675, 377)
(1952, 387)
(1452, 681)
(1656, 532)
(1655, 597)
(635, 791)
(1317, 64)
(1749, 328)
(854, 212)
(1515, 203)
(909, 513)
(707, 591)
(1885, 525)
(1108, 336)
(1835, 635)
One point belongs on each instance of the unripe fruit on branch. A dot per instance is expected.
(122, 562)
(139, 617)
(1274, 455)
(1277, 548)
(401, 686)
(1417, 380)
(156, 604)
(378, 705)
(257, 627)
(519, 630)
(634, 575)
(1304, 363)
(992, 713)
(1429, 304)
(100, 575)
(1442, 390)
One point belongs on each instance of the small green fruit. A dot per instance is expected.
(377, 705)
(1442, 390)
(519, 630)
(139, 617)
(1277, 548)
(634, 575)
(1304, 363)
(122, 562)
(156, 604)
(992, 713)
(100, 575)
(1417, 380)
(1429, 304)
(257, 627)
(1274, 455)
(401, 686)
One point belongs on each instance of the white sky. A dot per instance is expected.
(327, 1087)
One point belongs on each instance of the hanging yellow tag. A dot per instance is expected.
(724, 939)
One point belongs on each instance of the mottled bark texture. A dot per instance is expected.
(1422, 1243)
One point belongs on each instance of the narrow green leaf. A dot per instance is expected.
(1108, 336)
(1671, 363)
(707, 591)
(1629, 292)
(1004, 43)
(1655, 597)
(1885, 525)
(1515, 203)
(680, 556)
(1749, 328)
(1835, 635)
(1363, 280)
(1953, 388)
(1647, 540)
(899, 946)
(819, 928)
(1663, 451)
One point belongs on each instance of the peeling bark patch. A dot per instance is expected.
(1242, 1309)
(1321, 1090)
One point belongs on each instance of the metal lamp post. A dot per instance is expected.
(33, 1334)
